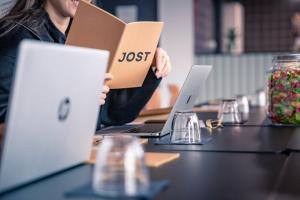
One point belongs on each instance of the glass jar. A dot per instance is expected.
(283, 89)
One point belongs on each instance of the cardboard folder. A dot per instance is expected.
(132, 46)
(152, 159)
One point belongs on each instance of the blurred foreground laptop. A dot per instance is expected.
(52, 111)
(185, 101)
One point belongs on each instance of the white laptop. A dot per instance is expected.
(52, 111)
(185, 101)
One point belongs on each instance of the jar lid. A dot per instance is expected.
(288, 57)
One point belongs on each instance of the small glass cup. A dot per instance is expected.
(229, 112)
(120, 170)
(243, 107)
(185, 128)
(258, 99)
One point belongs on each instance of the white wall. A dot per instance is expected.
(177, 39)
(234, 75)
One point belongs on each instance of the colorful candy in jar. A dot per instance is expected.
(284, 94)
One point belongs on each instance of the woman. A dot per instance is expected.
(49, 20)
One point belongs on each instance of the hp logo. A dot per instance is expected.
(64, 109)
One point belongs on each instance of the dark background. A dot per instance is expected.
(267, 22)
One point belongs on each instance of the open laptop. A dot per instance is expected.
(52, 112)
(185, 101)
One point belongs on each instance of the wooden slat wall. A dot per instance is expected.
(234, 74)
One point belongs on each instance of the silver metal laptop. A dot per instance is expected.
(52, 112)
(185, 101)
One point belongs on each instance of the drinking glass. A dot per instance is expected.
(185, 128)
(229, 113)
(243, 107)
(120, 169)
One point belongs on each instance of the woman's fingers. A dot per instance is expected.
(105, 89)
(108, 76)
(159, 61)
(102, 98)
(101, 102)
(163, 65)
(167, 69)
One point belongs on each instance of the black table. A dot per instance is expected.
(289, 179)
(294, 143)
(253, 136)
(240, 162)
(221, 175)
(195, 175)
(239, 139)
(257, 116)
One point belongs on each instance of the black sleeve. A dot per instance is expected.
(8, 54)
(7, 64)
(123, 105)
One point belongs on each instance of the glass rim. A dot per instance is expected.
(229, 100)
(120, 135)
(287, 57)
(186, 141)
(120, 139)
(184, 111)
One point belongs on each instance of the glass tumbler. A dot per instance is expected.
(185, 128)
(229, 112)
(120, 169)
(243, 107)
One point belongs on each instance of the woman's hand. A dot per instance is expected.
(105, 88)
(162, 63)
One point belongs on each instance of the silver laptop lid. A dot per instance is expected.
(189, 93)
(53, 110)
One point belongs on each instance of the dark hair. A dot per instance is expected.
(28, 11)
(25, 11)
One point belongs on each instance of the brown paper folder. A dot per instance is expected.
(151, 159)
(95, 28)
(158, 159)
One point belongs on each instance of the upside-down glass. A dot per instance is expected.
(120, 169)
(229, 112)
(243, 107)
(185, 128)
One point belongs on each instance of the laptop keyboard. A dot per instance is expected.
(146, 128)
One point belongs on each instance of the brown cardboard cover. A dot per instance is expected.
(93, 27)
(152, 159)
